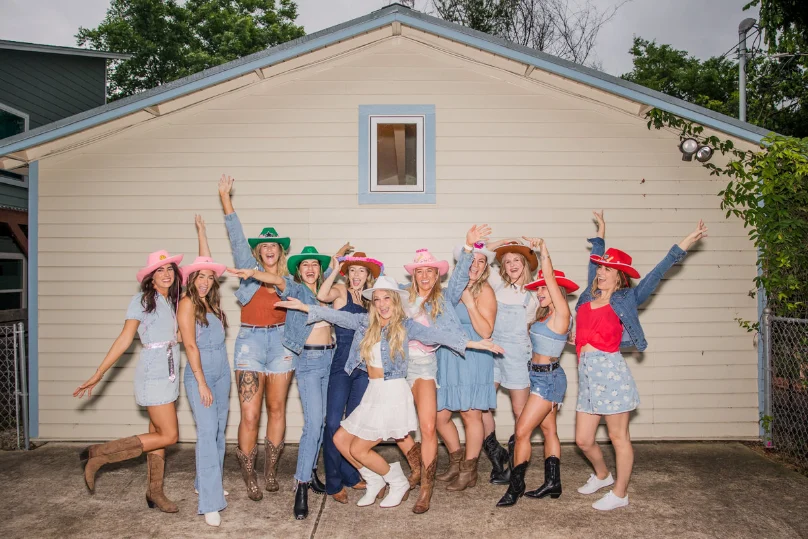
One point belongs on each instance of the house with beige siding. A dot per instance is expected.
(394, 131)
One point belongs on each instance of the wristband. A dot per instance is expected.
(468, 247)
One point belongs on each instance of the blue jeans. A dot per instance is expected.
(210, 425)
(344, 394)
(312, 371)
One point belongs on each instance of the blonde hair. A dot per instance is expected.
(282, 271)
(624, 281)
(434, 298)
(526, 273)
(396, 332)
(477, 286)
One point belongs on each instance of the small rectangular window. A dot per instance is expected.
(12, 281)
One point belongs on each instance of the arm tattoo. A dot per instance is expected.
(247, 385)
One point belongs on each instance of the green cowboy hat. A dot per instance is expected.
(268, 235)
(308, 253)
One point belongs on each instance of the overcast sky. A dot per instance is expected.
(703, 27)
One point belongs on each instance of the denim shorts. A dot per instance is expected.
(261, 350)
(605, 384)
(551, 386)
(152, 386)
(423, 369)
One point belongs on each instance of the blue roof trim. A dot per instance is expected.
(370, 22)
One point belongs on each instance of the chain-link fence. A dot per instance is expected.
(13, 387)
(785, 418)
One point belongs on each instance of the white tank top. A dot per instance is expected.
(376, 356)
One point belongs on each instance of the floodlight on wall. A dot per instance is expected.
(688, 147)
(703, 154)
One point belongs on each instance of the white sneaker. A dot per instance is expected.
(213, 519)
(610, 501)
(197, 492)
(399, 486)
(375, 484)
(593, 484)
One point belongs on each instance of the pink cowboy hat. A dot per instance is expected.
(424, 259)
(202, 263)
(156, 260)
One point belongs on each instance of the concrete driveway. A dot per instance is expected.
(679, 490)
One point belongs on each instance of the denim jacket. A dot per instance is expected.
(242, 257)
(297, 330)
(448, 320)
(393, 367)
(626, 301)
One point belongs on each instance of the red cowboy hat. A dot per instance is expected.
(562, 281)
(617, 259)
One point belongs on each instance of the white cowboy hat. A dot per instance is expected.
(385, 282)
(478, 247)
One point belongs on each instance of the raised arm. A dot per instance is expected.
(561, 321)
(651, 281)
(330, 292)
(499, 243)
(598, 246)
(316, 313)
(121, 345)
(187, 322)
(225, 186)
(262, 276)
(242, 254)
(460, 275)
(202, 236)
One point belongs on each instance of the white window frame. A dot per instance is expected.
(24, 289)
(5, 179)
(419, 121)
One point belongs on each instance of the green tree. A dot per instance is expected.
(169, 40)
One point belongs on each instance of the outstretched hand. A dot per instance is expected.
(486, 344)
(345, 249)
(225, 185)
(537, 244)
(293, 304)
(601, 223)
(693, 237)
(477, 233)
(88, 386)
(200, 224)
(242, 273)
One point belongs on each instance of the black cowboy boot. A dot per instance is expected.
(316, 486)
(552, 480)
(500, 471)
(516, 488)
(302, 501)
(511, 445)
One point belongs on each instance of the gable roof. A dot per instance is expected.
(373, 21)
(56, 49)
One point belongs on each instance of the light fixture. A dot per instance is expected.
(703, 154)
(688, 147)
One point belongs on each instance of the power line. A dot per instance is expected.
(734, 47)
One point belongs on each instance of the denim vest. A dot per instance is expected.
(626, 301)
(393, 367)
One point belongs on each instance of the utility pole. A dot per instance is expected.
(743, 28)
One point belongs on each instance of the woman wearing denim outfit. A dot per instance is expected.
(608, 319)
(548, 382)
(207, 376)
(313, 348)
(387, 409)
(152, 315)
(263, 367)
(345, 390)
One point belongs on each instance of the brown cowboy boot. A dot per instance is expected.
(154, 491)
(427, 484)
(414, 460)
(114, 451)
(273, 455)
(454, 466)
(467, 477)
(247, 463)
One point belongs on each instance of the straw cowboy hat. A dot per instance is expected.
(374, 267)
(617, 259)
(385, 282)
(515, 247)
(424, 259)
(268, 235)
(156, 260)
(308, 253)
(202, 263)
(562, 281)
(478, 247)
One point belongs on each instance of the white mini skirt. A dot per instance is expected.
(386, 411)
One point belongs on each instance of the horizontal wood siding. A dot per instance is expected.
(524, 158)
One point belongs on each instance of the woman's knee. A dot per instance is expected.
(428, 429)
(250, 418)
(620, 438)
(584, 443)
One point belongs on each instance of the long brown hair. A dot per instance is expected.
(623, 282)
(149, 300)
(212, 298)
(542, 312)
(434, 298)
(396, 332)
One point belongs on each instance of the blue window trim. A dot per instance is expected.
(365, 196)
(33, 299)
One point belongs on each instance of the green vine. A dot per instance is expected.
(768, 191)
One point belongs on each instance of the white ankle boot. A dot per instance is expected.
(375, 484)
(399, 486)
(213, 519)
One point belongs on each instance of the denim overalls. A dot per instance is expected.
(510, 332)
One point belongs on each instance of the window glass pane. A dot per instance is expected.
(10, 274)
(11, 300)
(10, 124)
(397, 154)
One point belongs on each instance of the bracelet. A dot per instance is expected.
(468, 247)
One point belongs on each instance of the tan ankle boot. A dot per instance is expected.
(114, 451)
(467, 477)
(248, 473)
(427, 484)
(414, 460)
(454, 466)
(273, 455)
(154, 493)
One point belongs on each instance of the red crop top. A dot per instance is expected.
(599, 327)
